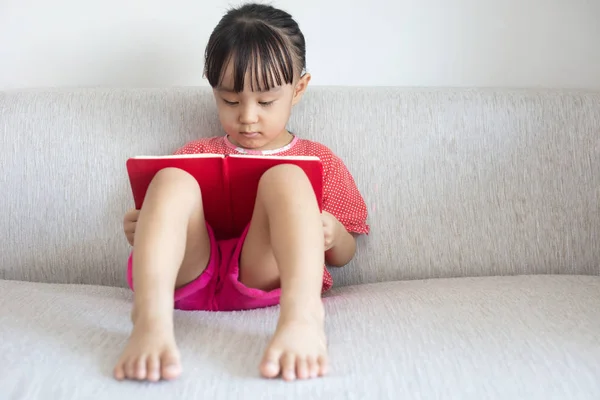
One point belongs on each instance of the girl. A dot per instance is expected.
(255, 63)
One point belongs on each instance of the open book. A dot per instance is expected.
(228, 184)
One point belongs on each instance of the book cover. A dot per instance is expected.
(228, 184)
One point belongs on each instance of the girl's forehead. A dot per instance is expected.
(227, 87)
(255, 79)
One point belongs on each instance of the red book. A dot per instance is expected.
(228, 183)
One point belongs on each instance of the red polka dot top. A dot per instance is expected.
(341, 197)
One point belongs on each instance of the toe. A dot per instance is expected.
(323, 365)
(140, 368)
(302, 368)
(170, 367)
(153, 368)
(270, 365)
(130, 369)
(288, 366)
(119, 371)
(313, 367)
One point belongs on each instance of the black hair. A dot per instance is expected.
(253, 37)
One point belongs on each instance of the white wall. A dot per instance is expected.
(375, 42)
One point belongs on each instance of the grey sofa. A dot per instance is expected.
(480, 279)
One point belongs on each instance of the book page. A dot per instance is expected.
(177, 156)
(300, 158)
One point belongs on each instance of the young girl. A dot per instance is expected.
(255, 62)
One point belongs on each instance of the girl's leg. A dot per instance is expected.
(285, 248)
(171, 249)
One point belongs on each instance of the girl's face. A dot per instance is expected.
(257, 120)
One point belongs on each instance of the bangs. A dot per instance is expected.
(254, 49)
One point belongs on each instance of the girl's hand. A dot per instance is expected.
(331, 229)
(129, 223)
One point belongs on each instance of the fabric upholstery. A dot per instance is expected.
(528, 337)
(458, 182)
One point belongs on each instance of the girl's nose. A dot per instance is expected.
(248, 115)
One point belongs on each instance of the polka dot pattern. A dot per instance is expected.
(341, 197)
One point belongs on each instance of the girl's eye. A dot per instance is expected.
(265, 103)
(230, 103)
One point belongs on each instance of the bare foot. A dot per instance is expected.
(151, 353)
(298, 349)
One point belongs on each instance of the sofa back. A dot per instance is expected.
(457, 182)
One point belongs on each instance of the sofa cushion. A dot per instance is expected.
(534, 337)
(458, 182)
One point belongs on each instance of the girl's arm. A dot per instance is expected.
(340, 245)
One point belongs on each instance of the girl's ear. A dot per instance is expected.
(300, 88)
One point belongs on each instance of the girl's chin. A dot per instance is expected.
(249, 135)
(250, 141)
(256, 140)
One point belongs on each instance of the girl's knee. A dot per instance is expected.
(175, 182)
(285, 174)
(175, 177)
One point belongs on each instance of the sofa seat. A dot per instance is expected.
(512, 337)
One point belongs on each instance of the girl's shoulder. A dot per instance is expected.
(305, 147)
